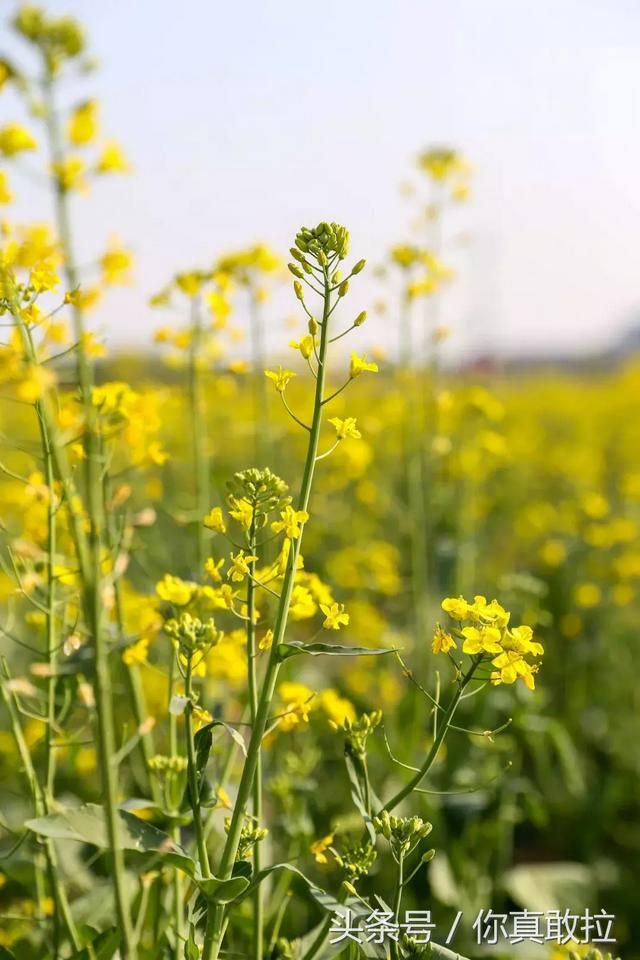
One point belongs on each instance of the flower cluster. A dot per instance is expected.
(483, 629)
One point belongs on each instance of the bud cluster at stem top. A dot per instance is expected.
(262, 489)
(358, 731)
(323, 243)
(58, 38)
(190, 634)
(403, 833)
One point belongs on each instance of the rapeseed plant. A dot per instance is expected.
(174, 678)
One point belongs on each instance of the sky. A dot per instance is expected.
(245, 120)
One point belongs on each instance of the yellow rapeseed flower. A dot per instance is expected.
(280, 378)
(14, 139)
(318, 848)
(360, 365)
(239, 568)
(82, 127)
(346, 428)
(136, 654)
(112, 159)
(174, 590)
(214, 520)
(335, 617)
(290, 522)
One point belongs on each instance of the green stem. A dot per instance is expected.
(92, 574)
(199, 432)
(437, 743)
(132, 673)
(252, 653)
(192, 773)
(397, 902)
(38, 797)
(178, 912)
(215, 918)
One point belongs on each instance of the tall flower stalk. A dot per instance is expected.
(317, 254)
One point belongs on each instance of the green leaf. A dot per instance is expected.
(266, 871)
(103, 946)
(157, 812)
(223, 891)
(357, 775)
(6, 954)
(86, 824)
(203, 741)
(191, 951)
(296, 647)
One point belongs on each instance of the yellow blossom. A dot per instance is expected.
(15, 139)
(91, 346)
(296, 704)
(82, 127)
(5, 193)
(136, 653)
(241, 511)
(34, 383)
(290, 522)
(302, 606)
(174, 590)
(304, 345)
(335, 617)
(239, 568)
(70, 173)
(112, 159)
(318, 848)
(442, 641)
(190, 283)
(484, 640)
(456, 607)
(337, 708)
(280, 378)
(200, 717)
(43, 278)
(215, 521)
(116, 265)
(361, 365)
(212, 569)
(346, 428)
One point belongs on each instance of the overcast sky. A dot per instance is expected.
(244, 120)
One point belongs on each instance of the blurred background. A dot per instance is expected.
(243, 121)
